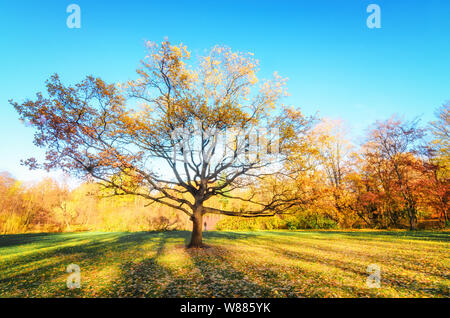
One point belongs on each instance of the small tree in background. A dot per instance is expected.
(391, 152)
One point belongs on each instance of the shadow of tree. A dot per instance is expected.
(209, 273)
(409, 235)
(39, 269)
(27, 273)
(396, 281)
(12, 240)
(229, 235)
(141, 279)
(218, 277)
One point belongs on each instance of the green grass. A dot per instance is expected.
(237, 264)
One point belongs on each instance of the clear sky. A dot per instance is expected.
(336, 65)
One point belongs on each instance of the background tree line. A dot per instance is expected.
(397, 178)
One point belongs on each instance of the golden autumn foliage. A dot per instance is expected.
(172, 118)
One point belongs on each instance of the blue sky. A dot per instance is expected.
(336, 65)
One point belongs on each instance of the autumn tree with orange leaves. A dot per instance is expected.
(392, 154)
(183, 132)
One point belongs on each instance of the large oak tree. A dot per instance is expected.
(184, 131)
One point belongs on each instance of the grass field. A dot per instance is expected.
(237, 264)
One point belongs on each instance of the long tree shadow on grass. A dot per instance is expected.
(23, 275)
(36, 263)
(226, 237)
(395, 281)
(141, 279)
(27, 273)
(214, 275)
(401, 235)
(11, 240)
(204, 273)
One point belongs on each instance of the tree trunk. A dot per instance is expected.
(197, 223)
(412, 221)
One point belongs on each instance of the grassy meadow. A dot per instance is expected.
(236, 264)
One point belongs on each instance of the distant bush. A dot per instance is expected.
(261, 223)
(310, 221)
(291, 222)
